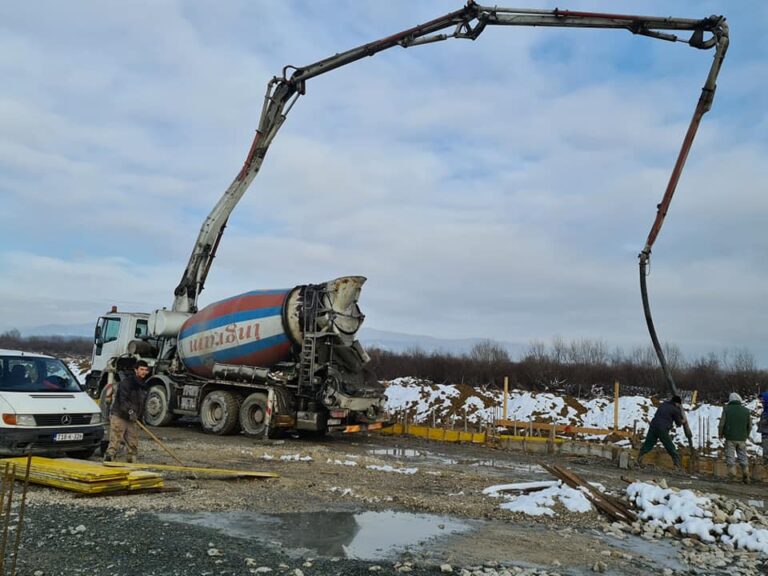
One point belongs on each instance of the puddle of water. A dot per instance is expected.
(660, 553)
(363, 536)
(410, 453)
(398, 452)
(413, 454)
(528, 468)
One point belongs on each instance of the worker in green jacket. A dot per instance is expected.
(735, 426)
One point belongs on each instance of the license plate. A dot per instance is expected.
(334, 422)
(67, 436)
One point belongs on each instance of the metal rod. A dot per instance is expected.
(7, 519)
(20, 521)
(2, 489)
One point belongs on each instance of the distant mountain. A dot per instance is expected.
(80, 330)
(399, 342)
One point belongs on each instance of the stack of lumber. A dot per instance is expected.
(609, 505)
(83, 476)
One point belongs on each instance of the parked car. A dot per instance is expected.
(43, 409)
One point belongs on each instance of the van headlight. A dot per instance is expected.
(19, 419)
(96, 418)
(25, 420)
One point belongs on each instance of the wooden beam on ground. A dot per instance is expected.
(194, 470)
(609, 506)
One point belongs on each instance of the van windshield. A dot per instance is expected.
(29, 374)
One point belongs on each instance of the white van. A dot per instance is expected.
(43, 409)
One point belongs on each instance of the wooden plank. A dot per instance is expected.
(613, 510)
(193, 469)
(627, 514)
(563, 428)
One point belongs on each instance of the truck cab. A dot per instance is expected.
(113, 332)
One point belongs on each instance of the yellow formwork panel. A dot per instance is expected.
(451, 436)
(466, 436)
(479, 437)
(439, 434)
(74, 469)
(82, 476)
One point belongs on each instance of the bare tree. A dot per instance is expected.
(489, 352)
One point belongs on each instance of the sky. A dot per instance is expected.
(500, 188)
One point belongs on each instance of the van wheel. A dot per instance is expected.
(82, 454)
(219, 412)
(253, 415)
(156, 409)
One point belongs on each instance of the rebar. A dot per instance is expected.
(7, 519)
(20, 521)
(2, 489)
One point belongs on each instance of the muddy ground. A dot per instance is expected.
(332, 515)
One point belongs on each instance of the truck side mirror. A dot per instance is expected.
(97, 336)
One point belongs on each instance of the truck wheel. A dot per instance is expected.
(219, 412)
(156, 409)
(253, 414)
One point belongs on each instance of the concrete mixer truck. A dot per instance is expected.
(262, 362)
(288, 359)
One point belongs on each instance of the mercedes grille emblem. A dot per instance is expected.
(66, 419)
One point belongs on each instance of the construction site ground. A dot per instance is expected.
(332, 514)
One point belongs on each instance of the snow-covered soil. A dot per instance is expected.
(451, 404)
(366, 472)
(707, 517)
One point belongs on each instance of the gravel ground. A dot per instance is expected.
(126, 535)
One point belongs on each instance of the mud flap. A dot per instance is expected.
(362, 427)
(270, 411)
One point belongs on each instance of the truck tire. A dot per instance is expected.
(157, 410)
(219, 412)
(253, 414)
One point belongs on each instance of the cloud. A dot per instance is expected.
(497, 188)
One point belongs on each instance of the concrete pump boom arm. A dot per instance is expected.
(468, 23)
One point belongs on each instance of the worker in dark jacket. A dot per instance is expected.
(669, 414)
(735, 426)
(127, 406)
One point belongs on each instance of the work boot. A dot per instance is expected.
(639, 461)
(732, 473)
(130, 459)
(108, 458)
(745, 475)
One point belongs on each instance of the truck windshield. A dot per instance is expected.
(30, 374)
